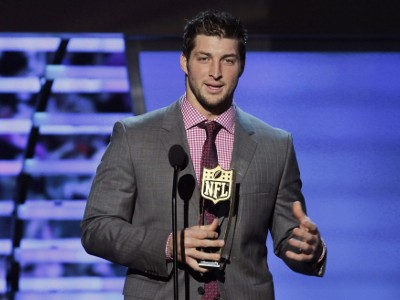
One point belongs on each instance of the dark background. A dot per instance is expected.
(167, 17)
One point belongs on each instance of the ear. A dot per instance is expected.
(183, 62)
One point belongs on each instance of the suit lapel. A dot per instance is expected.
(243, 151)
(173, 128)
(244, 145)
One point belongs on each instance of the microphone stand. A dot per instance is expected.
(177, 159)
(174, 233)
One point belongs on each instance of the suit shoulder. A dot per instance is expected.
(144, 120)
(261, 128)
(155, 118)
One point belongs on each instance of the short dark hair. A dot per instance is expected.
(215, 23)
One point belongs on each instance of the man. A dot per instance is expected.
(127, 218)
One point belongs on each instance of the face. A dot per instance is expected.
(213, 71)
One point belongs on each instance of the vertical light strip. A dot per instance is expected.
(135, 81)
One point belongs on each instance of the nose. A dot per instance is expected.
(215, 70)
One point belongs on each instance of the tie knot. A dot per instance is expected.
(212, 128)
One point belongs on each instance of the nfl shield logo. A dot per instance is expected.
(217, 184)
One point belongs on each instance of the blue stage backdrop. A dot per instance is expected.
(344, 112)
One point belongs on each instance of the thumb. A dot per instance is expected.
(213, 225)
(298, 212)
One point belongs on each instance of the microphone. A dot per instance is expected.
(178, 160)
(177, 157)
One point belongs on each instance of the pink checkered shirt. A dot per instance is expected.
(196, 136)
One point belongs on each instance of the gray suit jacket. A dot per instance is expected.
(128, 214)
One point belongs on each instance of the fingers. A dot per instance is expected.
(305, 251)
(303, 241)
(195, 239)
(202, 236)
(201, 239)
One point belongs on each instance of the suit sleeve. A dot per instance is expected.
(283, 219)
(107, 229)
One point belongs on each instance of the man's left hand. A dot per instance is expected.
(305, 238)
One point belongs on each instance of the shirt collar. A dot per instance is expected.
(192, 117)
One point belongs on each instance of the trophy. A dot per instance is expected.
(218, 185)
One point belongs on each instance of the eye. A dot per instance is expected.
(230, 61)
(202, 58)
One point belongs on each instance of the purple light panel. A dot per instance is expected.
(72, 284)
(102, 43)
(98, 72)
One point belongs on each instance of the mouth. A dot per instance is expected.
(214, 88)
